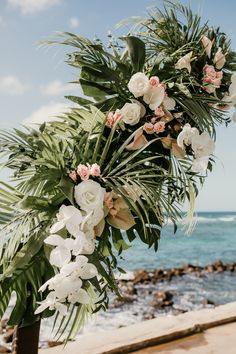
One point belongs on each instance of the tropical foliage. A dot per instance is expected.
(114, 168)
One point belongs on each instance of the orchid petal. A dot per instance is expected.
(89, 271)
(57, 227)
(54, 240)
(60, 256)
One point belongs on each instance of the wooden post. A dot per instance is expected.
(26, 339)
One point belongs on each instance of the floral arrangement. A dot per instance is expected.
(114, 168)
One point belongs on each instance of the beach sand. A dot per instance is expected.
(208, 331)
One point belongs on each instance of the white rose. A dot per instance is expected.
(131, 113)
(89, 195)
(138, 84)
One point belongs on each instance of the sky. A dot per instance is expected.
(33, 80)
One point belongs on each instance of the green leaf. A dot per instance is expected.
(67, 188)
(136, 49)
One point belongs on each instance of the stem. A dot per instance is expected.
(26, 339)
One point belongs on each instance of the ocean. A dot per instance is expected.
(213, 238)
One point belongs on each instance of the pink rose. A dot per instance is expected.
(159, 127)
(83, 172)
(212, 78)
(154, 81)
(73, 176)
(113, 118)
(109, 120)
(159, 112)
(148, 128)
(95, 170)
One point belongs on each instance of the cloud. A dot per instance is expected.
(57, 88)
(11, 85)
(32, 6)
(47, 113)
(74, 22)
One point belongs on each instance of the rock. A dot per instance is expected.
(141, 276)
(52, 343)
(149, 316)
(8, 336)
(162, 299)
(120, 301)
(157, 275)
(207, 302)
(128, 288)
(209, 269)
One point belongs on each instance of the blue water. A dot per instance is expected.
(213, 238)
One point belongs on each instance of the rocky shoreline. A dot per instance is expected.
(136, 286)
(143, 291)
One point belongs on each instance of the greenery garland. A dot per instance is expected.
(115, 167)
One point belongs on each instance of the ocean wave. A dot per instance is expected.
(205, 219)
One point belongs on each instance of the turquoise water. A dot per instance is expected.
(213, 238)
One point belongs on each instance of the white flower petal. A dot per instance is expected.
(61, 308)
(54, 240)
(60, 256)
(202, 145)
(200, 164)
(42, 307)
(89, 195)
(169, 103)
(82, 296)
(69, 268)
(89, 271)
(59, 225)
(154, 96)
(138, 84)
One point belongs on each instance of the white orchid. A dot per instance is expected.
(52, 283)
(84, 243)
(154, 96)
(79, 295)
(185, 62)
(200, 164)
(80, 268)
(52, 303)
(186, 136)
(69, 217)
(61, 254)
(202, 145)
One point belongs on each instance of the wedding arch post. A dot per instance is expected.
(26, 339)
